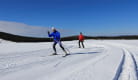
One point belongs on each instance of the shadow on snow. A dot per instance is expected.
(85, 53)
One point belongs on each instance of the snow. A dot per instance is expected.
(23, 29)
(5, 41)
(100, 60)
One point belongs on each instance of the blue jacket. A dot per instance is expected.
(55, 35)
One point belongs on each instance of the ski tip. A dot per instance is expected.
(65, 55)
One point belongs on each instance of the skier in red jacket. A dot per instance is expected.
(81, 40)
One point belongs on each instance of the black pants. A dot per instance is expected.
(60, 44)
(81, 42)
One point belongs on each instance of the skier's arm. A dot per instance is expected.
(83, 38)
(50, 35)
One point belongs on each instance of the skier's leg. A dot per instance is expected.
(79, 44)
(62, 47)
(54, 48)
(82, 44)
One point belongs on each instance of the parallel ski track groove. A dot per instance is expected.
(120, 68)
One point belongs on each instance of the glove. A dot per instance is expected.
(48, 32)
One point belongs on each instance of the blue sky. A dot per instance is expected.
(92, 17)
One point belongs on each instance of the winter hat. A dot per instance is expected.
(53, 28)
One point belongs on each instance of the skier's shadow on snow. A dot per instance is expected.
(85, 53)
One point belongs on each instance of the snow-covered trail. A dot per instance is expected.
(100, 60)
(129, 63)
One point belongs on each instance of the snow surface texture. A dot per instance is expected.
(100, 60)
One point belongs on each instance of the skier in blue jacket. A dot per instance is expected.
(56, 36)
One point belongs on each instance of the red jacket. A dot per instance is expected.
(81, 37)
